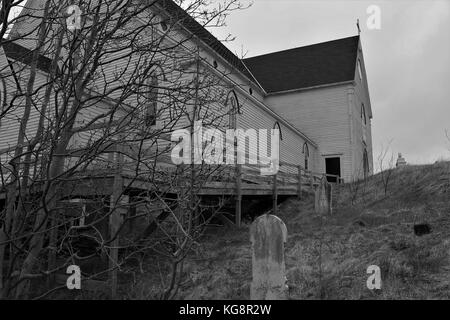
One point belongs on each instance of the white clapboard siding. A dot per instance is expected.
(362, 132)
(322, 114)
(331, 116)
(10, 124)
(254, 115)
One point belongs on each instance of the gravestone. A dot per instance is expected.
(268, 234)
(323, 196)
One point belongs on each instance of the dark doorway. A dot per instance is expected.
(333, 166)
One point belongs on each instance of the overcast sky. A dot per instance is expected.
(407, 60)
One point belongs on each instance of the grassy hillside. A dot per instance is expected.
(327, 257)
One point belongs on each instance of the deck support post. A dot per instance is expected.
(299, 182)
(275, 194)
(52, 244)
(238, 195)
(117, 205)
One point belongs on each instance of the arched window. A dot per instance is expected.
(275, 125)
(366, 163)
(233, 108)
(2, 97)
(152, 100)
(363, 114)
(232, 113)
(306, 153)
(359, 70)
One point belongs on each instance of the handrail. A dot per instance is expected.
(250, 172)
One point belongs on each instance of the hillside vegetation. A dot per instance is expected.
(327, 257)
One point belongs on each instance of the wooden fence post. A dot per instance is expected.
(299, 182)
(330, 198)
(238, 195)
(322, 199)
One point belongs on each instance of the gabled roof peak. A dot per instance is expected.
(308, 66)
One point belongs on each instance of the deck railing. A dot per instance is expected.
(290, 178)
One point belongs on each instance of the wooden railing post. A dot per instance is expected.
(238, 195)
(299, 182)
(330, 198)
(275, 194)
(328, 193)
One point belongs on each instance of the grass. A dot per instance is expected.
(327, 257)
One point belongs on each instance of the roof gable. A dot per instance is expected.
(309, 66)
(190, 24)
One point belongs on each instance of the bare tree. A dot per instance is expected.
(354, 187)
(8, 15)
(386, 166)
(91, 160)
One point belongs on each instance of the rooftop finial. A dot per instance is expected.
(357, 25)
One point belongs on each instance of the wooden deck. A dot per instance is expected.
(115, 180)
(110, 174)
(241, 180)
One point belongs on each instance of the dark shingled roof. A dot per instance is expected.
(313, 65)
(24, 55)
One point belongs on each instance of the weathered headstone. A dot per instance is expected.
(268, 234)
(323, 196)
